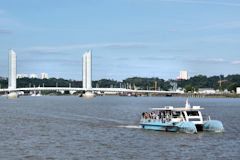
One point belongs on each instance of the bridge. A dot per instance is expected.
(120, 90)
(86, 80)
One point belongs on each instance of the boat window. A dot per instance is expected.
(194, 119)
(192, 113)
(176, 114)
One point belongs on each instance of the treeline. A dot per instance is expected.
(131, 83)
(221, 82)
(148, 83)
(35, 82)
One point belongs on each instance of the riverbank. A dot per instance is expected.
(188, 95)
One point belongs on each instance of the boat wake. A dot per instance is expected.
(100, 119)
(130, 126)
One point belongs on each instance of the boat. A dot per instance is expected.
(185, 119)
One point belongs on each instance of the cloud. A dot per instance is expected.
(5, 31)
(2, 12)
(236, 62)
(213, 61)
(172, 30)
(224, 25)
(54, 49)
(165, 58)
(209, 60)
(218, 60)
(128, 45)
(122, 59)
(224, 38)
(49, 60)
(204, 2)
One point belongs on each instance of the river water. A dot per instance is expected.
(105, 127)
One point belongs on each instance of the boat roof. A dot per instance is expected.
(170, 108)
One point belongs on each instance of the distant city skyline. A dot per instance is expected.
(42, 75)
(144, 38)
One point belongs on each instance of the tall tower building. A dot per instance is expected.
(87, 70)
(44, 76)
(12, 69)
(183, 75)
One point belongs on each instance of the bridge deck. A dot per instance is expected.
(84, 89)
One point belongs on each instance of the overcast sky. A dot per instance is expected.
(147, 38)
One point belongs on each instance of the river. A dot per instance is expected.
(68, 127)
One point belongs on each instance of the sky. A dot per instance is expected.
(144, 38)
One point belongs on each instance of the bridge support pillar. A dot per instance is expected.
(89, 94)
(12, 70)
(12, 95)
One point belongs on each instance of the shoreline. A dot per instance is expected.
(150, 95)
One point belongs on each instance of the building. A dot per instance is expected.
(238, 90)
(33, 75)
(12, 72)
(183, 75)
(87, 70)
(44, 76)
(22, 75)
(206, 91)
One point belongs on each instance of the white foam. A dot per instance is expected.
(130, 126)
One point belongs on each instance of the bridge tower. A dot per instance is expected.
(12, 71)
(87, 74)
(87, 70)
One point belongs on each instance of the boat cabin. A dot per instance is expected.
(170, 114)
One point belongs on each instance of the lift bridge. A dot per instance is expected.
(86, 80)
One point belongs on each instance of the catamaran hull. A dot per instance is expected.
(213, 126)
(160, 128)
(185, 127)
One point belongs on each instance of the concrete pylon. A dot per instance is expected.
(87, 74)
(12, 73)
(12, 69)
(87, 70)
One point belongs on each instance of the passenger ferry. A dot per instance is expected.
(187, 119)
